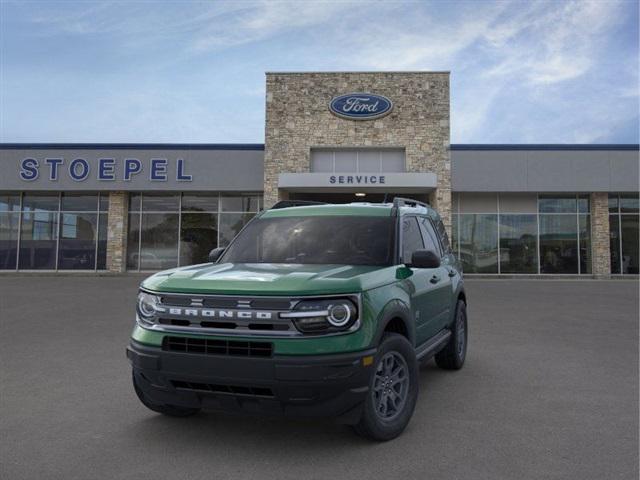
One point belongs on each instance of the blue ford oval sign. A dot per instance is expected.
(360, 106)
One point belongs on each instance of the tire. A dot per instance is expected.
(376, 424)
(452, 356)
(169, 410)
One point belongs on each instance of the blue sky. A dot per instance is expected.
(136, 71)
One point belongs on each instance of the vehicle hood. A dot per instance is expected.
(270, 279)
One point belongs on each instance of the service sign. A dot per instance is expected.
(360, 106)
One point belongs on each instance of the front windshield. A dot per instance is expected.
(342, 240)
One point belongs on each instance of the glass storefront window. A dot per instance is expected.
(78, 235)
(198, 236)
(41, 201)
(630, 246)
(160, 202)
(53, 231)
(9, 224)
(170, 230)
(584, 237)
(623, 233)
(9, 202)
(159, 241)
(239, 203)
(133, 241)
(557, 204)
(614, 242)
(629, 204)
(478, 242)
(79, 202)
(38, 239)
(518, 244)
(200, 202)
(558, 244)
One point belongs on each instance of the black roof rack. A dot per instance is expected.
(295, 203)
(409, 202)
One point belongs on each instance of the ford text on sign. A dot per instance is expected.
(360, 106)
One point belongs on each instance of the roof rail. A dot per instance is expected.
(295, 203)
(409, 202)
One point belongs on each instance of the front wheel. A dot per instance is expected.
(452, 356)
(393, 390)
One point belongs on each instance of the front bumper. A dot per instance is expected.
(296, 386)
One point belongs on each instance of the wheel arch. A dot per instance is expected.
(396, 317)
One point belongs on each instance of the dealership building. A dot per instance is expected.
(333, 137)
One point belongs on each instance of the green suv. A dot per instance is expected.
(312, 310)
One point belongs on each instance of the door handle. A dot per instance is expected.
(435, 279)
(452, 273)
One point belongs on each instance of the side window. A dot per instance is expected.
(430, 238)
(411, 238)
(444, 238)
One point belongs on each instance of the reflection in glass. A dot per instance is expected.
(231, 224)
(237, 203)
(454, 235)
(613, 203)
(9, 202)
(79, 202)
(104, 202)
(102, 241)
(38, 240)
(198, 236)
(478, 236)
(200, 202)
(630, 245)
(8, 240)
(629, 203)
(558, 244)
(583, 204)
(557, 204)
(77, 248)
(518, 244)
(160, 202)
(585, 244)
(133, 241)
(614, 242)
(159, 241)
(40, 201)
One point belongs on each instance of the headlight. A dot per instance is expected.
(147, 305)
(323, 316)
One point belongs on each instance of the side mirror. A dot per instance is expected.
(424, 259)
(215, 254)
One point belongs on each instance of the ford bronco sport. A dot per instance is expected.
(314, 310)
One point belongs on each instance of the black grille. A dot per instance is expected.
(217, 347)
(230, 389)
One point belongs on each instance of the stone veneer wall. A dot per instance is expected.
(298, 119)
(600, 247)
(117, 231)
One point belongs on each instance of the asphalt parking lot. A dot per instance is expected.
(550, 390)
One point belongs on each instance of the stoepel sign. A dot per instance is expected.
(360, 106)
(107, 169)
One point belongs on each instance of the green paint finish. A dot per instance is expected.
(270, 279)
(331, 210)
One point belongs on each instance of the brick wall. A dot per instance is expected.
(117, 232)
(600, 249)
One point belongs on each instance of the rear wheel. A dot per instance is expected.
(169, 410)
(393, 390)
(453, 355)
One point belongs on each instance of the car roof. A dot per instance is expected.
(360, 209)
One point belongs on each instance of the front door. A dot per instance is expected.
(426, 284)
